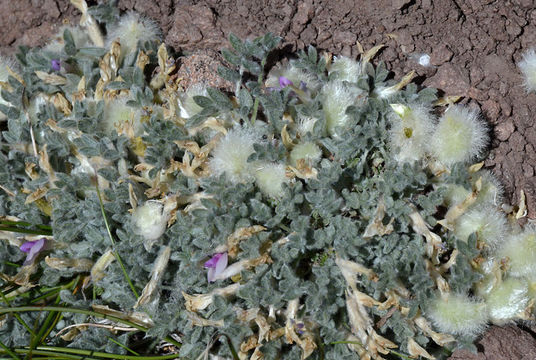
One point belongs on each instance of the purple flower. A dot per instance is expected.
(284, 82)
(298, 326)
(216, 265)
(55, 64)
(32, 248)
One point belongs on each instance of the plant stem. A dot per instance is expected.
(255, 108)
(4, 310)
(52, 354)
(68, 353)
(25, 231)
(17, 316)
(8, 350)
(51, 319)
(123, 346)
(25, 224)
(113, 243)
(9, 263)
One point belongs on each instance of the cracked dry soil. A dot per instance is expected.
(473, 45)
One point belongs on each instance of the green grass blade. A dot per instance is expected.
(229, 343)
(17, 316)
(53, 316)
(26, 231)
(113, 243)
(103, 354)
(8, 351)
(123, 346)
(402, 356)
(53, 354)
(14, 310)
(24, 224)
(12, 264)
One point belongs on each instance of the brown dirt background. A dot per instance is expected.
(474, 46)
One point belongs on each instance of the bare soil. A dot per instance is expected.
(474, 46)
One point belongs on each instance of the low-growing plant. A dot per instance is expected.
(319, 210)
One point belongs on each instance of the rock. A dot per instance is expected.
(528, 170)
(303, 15)
(441, 55)
(504, 130)
(506, 108)
(426, 4)
(500, 343)
(477, 94)
(450, 78)
(194, 27)
(344, 38)
(491, 109)
(529, 187)
(308, 35)
(494, 65)
(399, 4)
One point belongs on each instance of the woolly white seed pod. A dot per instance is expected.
(186, 100)
(455, 194)
(507, 301)
(528, 68)
(488, 223)
(36, 106)
(345, 69)
(410, 132)
(336, 99)
(122, 118)
(305, 124)
(460, 136)
(308, 151)
(270, 178)
(458, 315)
(492, 276)
(491, 191)
(131, 29)
(150, 221)
(80, 37)
(520, 251)
(231, 154)
(299, 78)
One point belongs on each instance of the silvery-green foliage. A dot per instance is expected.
(320, 216)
